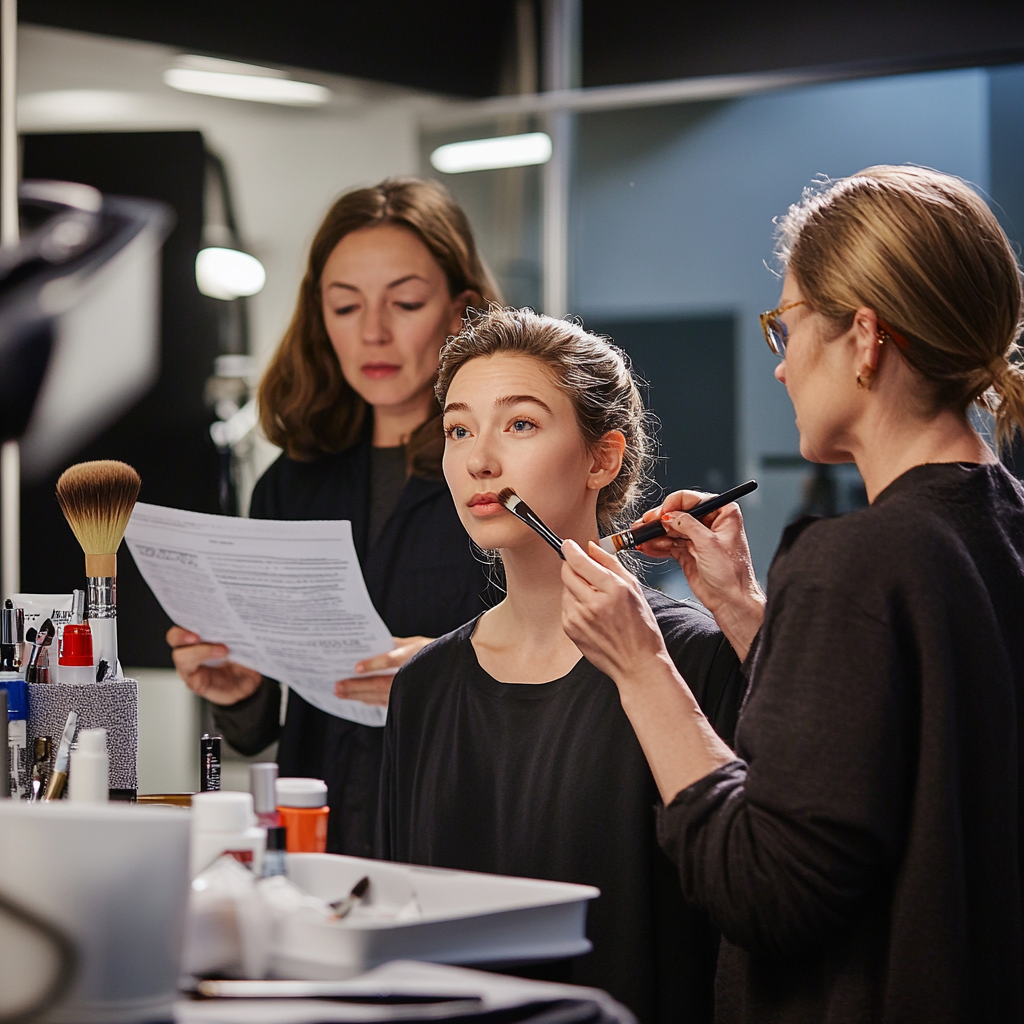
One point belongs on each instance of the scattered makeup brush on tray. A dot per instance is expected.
(97, 499)
(521, 510)
(345, 906)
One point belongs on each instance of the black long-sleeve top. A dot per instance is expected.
(548, 780)
(423, 580)
(863, 856)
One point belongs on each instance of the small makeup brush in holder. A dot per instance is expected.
(97, 499)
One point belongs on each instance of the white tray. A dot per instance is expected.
(466, 918)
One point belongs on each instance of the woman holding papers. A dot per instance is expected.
(505, 750)
(349, 397)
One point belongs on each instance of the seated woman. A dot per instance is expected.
(505, 750)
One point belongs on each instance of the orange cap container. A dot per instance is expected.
(302, 808)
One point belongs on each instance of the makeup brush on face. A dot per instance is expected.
(97, 499)
(521, 510)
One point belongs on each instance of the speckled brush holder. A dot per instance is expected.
(113, 706)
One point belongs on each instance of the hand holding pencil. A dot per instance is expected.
(714, 554)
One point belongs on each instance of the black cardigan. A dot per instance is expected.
(864, 858)
(423, 580)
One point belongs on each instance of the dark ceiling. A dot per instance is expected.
(455, 46)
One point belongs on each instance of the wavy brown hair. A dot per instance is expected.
(306, 405)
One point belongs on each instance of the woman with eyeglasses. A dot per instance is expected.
(861, 848)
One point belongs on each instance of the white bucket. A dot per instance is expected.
(114, 880)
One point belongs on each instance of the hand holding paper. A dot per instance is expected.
(286, 598)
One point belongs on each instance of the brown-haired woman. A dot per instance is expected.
(349, 396)
(505, 751)
(861, 851)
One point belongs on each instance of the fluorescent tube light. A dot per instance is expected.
(228, 273)
(490, 154)
(234, 81)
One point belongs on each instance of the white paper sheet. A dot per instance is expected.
(287, 598)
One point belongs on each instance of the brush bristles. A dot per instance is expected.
(506, 495)
(97, 499)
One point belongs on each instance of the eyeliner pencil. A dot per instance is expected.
(629, 539)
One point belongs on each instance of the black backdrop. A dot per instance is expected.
(166, 435)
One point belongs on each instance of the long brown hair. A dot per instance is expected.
(924, 252)
(595, 376)
(306, 405)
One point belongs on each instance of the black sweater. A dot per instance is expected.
(423, 580)
(548, 780)
(864, 858)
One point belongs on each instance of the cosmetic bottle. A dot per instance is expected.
(17, 738)
(275, 859)
(224, 822)
(10, 647)
(17, 771)
(75, 661)
(89, 779)
(302, 806)
(262, 777)
(209, 763)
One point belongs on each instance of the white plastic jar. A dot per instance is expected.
(224, 822)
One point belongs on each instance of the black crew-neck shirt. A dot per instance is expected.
(548, 780)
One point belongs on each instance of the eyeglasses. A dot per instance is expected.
(776, 333)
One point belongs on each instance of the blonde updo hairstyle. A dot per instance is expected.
(593, 373)
(925, 252)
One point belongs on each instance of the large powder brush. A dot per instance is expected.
(97, 499)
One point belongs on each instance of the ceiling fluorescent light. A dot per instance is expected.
(228, 273)
(490, 154)
(232, 80)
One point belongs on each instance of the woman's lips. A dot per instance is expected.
(379, 371)
(483, 505)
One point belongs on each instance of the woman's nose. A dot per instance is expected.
(481, 461)
(376, 330)
(780, 372)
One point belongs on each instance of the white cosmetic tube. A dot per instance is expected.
(90, 768)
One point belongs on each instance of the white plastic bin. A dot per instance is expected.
(464, 918)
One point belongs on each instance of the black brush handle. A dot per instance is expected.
(649, 531)
(527, 515)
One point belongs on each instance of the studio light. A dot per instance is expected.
(228, 273)
(232, 80)
(491, 154)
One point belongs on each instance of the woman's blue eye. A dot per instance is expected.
(457, 433)
(521, 426)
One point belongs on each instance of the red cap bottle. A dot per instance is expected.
(76, 658)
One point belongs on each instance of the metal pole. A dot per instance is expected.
(10, 461)
(561, 27)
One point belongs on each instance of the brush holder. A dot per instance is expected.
(113, 705)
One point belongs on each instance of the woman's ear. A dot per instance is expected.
(459, 304)
(607, 460)
(866, 342)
